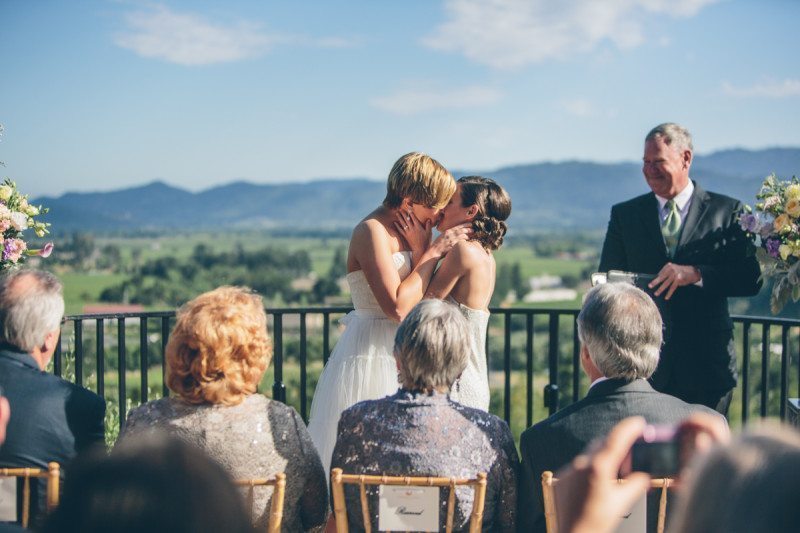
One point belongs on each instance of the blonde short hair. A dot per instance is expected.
(219, 349)
(422, 179)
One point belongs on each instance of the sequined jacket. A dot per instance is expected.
(412, 433)
(254, 439)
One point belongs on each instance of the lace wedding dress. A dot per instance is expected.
(361, 365)
(472, 389)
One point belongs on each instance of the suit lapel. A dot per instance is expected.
(697, 209)
(651, 225)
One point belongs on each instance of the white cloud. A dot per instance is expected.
(414, 101)
(513, 33)
(579, 107)
(188, 39)
(583, 108)
(766, 89)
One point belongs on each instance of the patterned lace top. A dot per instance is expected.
(420, 434)
(255, 439)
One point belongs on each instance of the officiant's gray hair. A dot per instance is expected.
(620, 327)
(673, 135)
(431, 346)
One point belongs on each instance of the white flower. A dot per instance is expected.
(19, 221)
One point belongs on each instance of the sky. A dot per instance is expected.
(106, 94)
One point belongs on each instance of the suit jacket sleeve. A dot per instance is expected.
(613, 256)
(530, 516)
(86, 412)
(737, 273)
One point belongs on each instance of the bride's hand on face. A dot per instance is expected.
(445, 242)
(415, 233)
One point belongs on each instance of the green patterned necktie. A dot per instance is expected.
(671, 226)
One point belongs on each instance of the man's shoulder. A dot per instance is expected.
(722, 201)
(633, 203)
(555, 422)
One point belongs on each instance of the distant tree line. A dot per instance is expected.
(172, 281)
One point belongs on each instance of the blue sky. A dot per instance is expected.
(100, 94)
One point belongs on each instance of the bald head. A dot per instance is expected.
(31, 308)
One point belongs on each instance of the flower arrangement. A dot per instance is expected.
(16, 216)
(775, 227)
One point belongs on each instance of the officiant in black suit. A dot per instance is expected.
(691, 241)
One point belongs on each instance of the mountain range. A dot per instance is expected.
(560, 195)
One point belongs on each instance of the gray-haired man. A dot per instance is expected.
(619, 328)
(51, 418)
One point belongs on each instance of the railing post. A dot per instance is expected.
(121, 364)
(164, 341)
(507, 369)
(78, 352)
(745, 371)
(143, 351)
(303, 369)
(278, 387)
(784, 370)
(100, 351)
(529, 370)
(576, 361)
(764, 368)
(326, 337)
(551, 389)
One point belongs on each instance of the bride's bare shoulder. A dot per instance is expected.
(371, 228)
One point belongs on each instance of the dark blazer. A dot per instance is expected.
(557, 440)
(698, 350)
(51, 418)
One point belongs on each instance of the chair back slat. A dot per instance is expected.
(551, 515)
(53, 477)
(339, 479)
(278, 482)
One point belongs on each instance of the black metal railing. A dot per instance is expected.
(518, 357)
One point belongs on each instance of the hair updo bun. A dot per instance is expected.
(494, 207)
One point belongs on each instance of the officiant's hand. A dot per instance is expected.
(673, 276)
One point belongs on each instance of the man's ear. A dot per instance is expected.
(406, 204)
(687, 158)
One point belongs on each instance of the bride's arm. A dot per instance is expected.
(373, 251)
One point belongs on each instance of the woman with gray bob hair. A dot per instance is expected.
(421, 431)
(431, 347)
(621, 329)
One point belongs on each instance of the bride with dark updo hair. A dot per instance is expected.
(466, 275)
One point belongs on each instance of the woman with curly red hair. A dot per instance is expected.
(215, 359)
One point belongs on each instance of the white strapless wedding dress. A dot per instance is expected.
(472, 389)
(361, 365)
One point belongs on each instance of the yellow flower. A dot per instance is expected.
(32, 210)
(785, 250)
(793, 207)
(5, 192)
(793, 192)
(781, 223)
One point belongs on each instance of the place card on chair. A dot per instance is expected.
(635, 521)
(8, 499)
(404, 508)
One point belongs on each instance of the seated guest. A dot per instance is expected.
(215, 358)
(420, 431)
(52, 419)
(153, 483)
(619, 328)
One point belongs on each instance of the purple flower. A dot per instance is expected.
(749, 222)
(772, 247)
